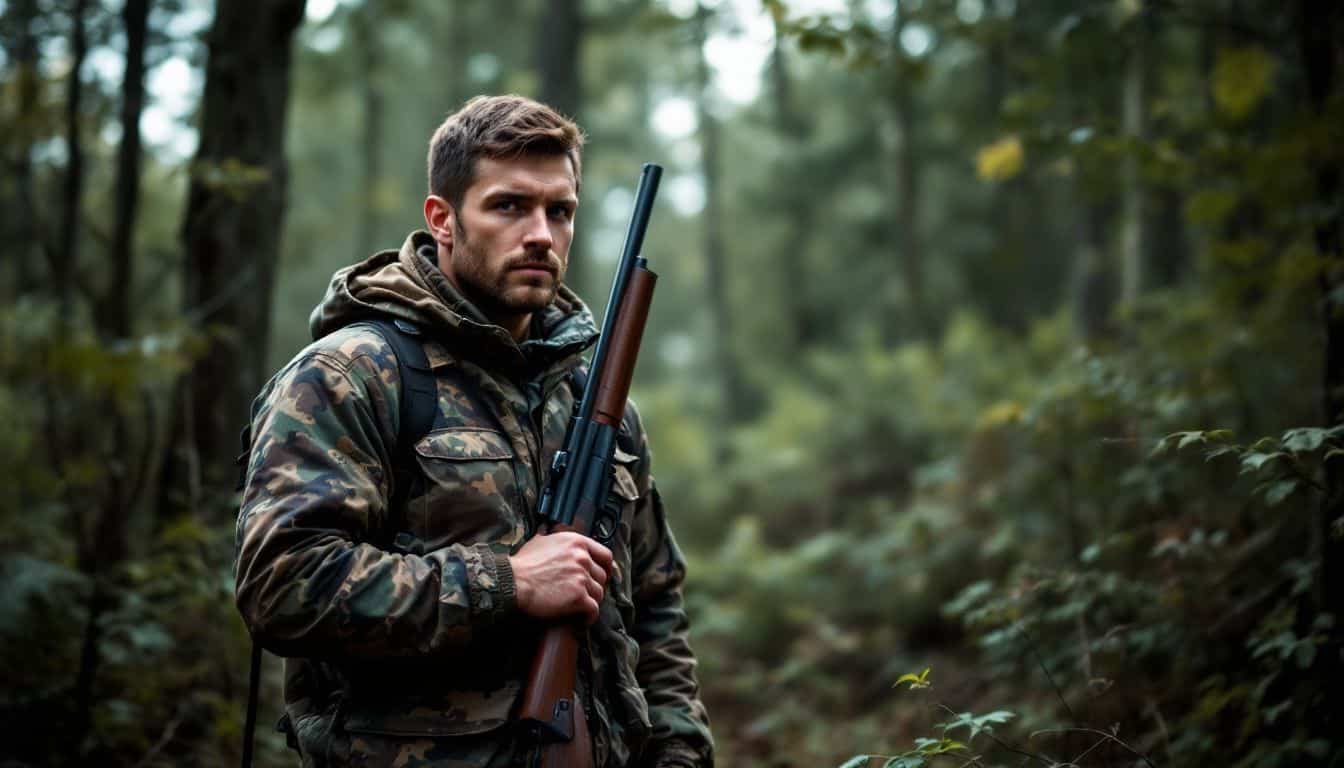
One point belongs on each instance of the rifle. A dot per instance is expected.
(577, 494)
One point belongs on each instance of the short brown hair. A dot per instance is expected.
(497, 127)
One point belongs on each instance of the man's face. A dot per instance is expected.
(507, 245)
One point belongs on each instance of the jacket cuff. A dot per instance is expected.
(508, 591)
(493, 593)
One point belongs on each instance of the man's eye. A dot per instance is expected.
(561, 212)
(506, 205)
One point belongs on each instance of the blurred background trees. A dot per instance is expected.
(993, 337)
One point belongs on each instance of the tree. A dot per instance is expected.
(231, 227)
(730, 376)
(117, 303)
(559, 63)
(906, 180)
(21, 16)
(366, 22)
(67, 254)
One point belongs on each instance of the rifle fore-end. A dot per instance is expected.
(614, 385)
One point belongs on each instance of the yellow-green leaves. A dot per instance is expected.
(916, 681)
(1001, 160)
(1242, 77)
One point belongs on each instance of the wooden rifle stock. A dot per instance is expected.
(550, 698)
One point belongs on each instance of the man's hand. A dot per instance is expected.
(560, 574)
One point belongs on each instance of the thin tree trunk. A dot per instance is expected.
(559, 66)
(369, 46)
(67, 255)
(118, 302)
(1321, 25)
(731, 399)
(27, 247)
(231, 230)
(907, 193)
(797, 223)
(1132, 231)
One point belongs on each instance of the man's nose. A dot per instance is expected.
(538, 232)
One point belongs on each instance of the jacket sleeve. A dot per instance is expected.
(666, 672)
(308, 580)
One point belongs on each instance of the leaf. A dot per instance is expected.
(916, 681)
(1255, 460)
(1275, 493)
(1189, 438)
(1001, 160)
(1304, 439)
(1242, 77)
(857, 761)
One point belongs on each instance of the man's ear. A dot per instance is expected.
(440, 219)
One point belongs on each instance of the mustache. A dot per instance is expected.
(539, 260)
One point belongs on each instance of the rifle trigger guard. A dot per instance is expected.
(606, 523)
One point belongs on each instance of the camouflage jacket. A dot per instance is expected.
(403, 642)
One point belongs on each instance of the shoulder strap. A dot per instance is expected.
(419, 401)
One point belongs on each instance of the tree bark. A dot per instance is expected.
(716, 289)
(368, 45)
(1320, 27)
(116, 320)
(559, 67)
(907, 192)
(67, 255)
(231, 228)
(25, 229)
(796, 199)
(1133, 239)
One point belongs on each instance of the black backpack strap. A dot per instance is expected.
(419, 402)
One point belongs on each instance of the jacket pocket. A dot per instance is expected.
(470, 489)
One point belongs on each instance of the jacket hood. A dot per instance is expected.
(408, 285)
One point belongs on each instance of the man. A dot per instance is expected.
(409, 615)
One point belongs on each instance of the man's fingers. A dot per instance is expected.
(594, 590)
(597, 572)
(590, 608)
(600, 554)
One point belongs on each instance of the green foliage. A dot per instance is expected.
(1103, 524)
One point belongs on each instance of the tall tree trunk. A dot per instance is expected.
(1321, 27)
(799, 208)
(23, 13)
(67, 255)
(559, 67)
(368, 44)
(906, 183)
(1132, 231)
(231, 227)
(116, 318)
(720, 311)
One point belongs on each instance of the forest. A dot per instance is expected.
(994, 382)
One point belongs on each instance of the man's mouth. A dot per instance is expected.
(534, 268)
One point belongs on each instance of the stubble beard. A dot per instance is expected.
(490, 292)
